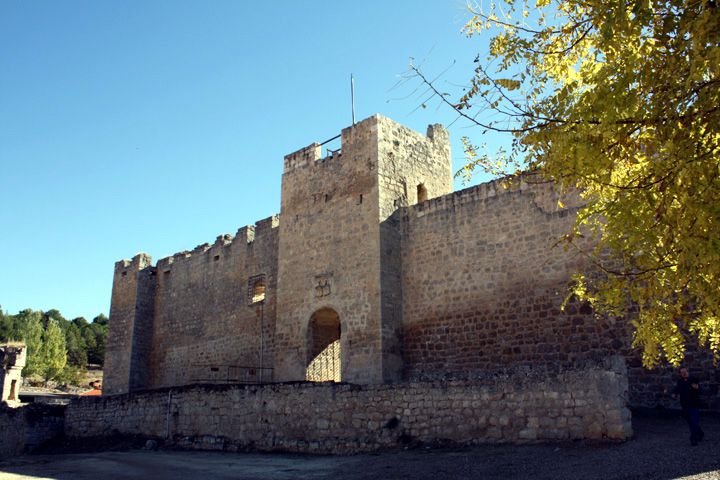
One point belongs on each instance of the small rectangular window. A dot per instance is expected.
(216, 257)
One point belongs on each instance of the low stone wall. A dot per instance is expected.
(347, 418)
(25, 428)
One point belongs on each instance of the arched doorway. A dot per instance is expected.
(323, 362)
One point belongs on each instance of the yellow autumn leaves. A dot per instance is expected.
(620, 100)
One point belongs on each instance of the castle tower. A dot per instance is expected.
(339, 247)
(130, 327)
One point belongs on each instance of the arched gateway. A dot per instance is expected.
(323, 347)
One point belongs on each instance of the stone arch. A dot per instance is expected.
(323, 347)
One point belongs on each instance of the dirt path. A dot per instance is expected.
(660, 450)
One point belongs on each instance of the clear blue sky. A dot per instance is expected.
(157, 125)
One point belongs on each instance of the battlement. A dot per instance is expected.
(248, 234)
(544, 195)
(138, 262)
(303, 157)
(312, 154)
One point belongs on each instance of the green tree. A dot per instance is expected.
(32, 335)
(95, 336)
(620, 100)
(9, 327)
(101, 320)
(76, 348)
(80, 322)
(54, 354)
(55, 314)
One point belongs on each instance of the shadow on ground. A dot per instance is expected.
(660, 450)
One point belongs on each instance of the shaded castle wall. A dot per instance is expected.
(28, 427)
(483, 284)
(409, 164)
(128, 309)
(206, 326)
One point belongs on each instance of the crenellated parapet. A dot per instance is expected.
(544, 195)
(261, 233)
(303, 157)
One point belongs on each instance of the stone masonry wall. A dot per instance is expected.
(483, 284)
(206, 327)
(407, 163)
(123, 315)
(346, 418)
(191, 317)
(483, 281)
(25, 428)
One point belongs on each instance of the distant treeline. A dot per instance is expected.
(58, 349)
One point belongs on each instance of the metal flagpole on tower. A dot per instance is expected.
(352, 96)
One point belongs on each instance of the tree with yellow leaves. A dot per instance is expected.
(620, 100)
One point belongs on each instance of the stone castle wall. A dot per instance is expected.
(344, 418)
(483, 279)
(25, 428)
(483, 282)
(191, 318)
(206, 325)
(410, 166)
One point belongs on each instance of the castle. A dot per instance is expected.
(374, 272)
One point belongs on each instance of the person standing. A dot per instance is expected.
(687, 389)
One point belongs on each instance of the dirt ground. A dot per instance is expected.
(659, 450)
